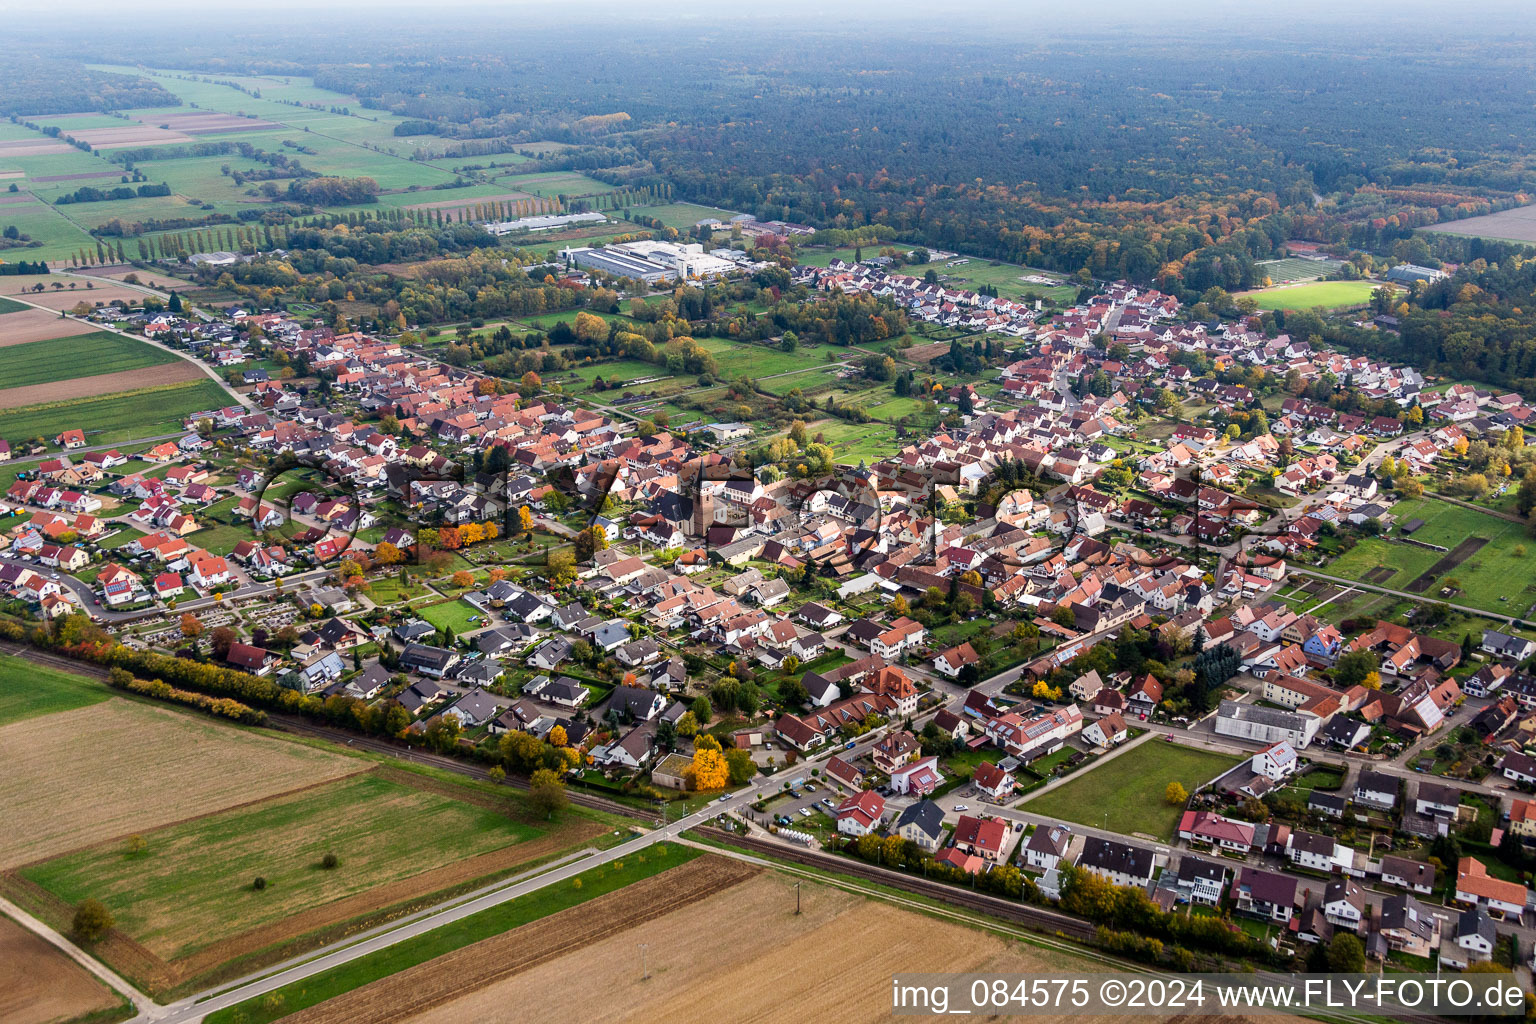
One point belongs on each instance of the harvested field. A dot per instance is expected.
(18, 199)
(100, 384)
(69, 298)
(29, 147)
(209, 123)
(437, 985)
(837, 956)
(128, 135)
(38, 325)
(1516, 225)
(1463, 551)
(40, 985)
(88, 175)
(144, 277)
(925, 353)
(77, 782)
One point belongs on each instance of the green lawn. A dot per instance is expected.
(28, 690)
(122, 416)
(12, 306)
(683, 215)
(85, 355)
(1328, 294)
(452, 615)
(492, 921)
(192, 884)
(1125, 793)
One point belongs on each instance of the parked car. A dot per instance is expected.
(962, 807)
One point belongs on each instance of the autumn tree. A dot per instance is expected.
(463, 579)
(191, 626)
(1175, 793)
(560, 566)
(92, 920)
(525, 519)
(388, 554)
(222, 637)
(557, 736)
(546, 793)
(530, 384)
(709, 770)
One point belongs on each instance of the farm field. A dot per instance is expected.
(1327, 294)
(1485, 576)
(84, 356)
(59, 236)
(1125, 793)
(1516, 225)
(12, 306)
(173, 372)
(39, 984)
(69, 298)
(556, 183)
(32, 325)
(836, 955)
(191, 886)
(124, 416)
(28, 690)
(76, 782)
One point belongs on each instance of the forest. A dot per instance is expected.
(1176, 151)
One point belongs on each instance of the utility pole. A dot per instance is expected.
(645, 973)
(797, 899)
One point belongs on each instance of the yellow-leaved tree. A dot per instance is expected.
(708, 770)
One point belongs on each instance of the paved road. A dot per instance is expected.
(88, 597)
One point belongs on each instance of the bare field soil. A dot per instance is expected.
(100, 384)
(31, 325)
(837, 956)
(26, 147)
(1518, 225)
(567, 934)
(69, 298)
(208, 123)
(129, 135)
(80, 777)
(144, 277)
(40, 985)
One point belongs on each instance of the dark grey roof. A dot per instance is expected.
(926, 815)
(1109, 855)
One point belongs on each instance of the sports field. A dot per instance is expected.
(83, 356)
(1324, 294)
(1124, 793)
